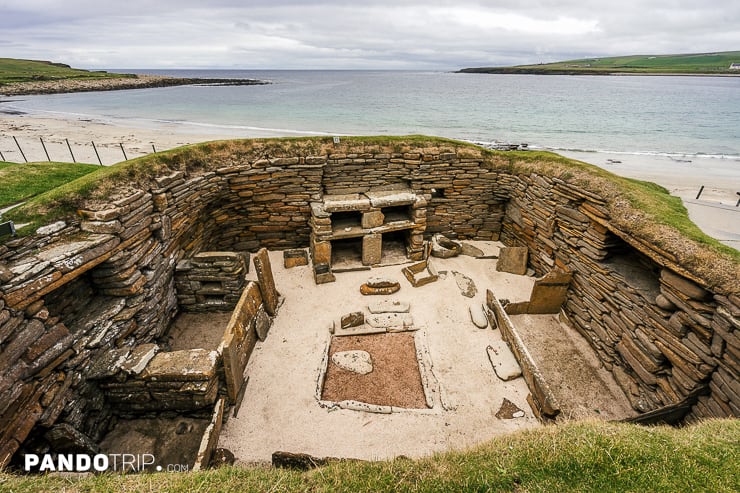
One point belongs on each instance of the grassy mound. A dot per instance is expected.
(579, 456)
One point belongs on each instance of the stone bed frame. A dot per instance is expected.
(87, 285)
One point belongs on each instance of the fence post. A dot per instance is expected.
(96, 153)
(699, 194)
(45, 151)
(154, 149)
(19, 148)
(70, 150)
(2, 158)
(125, 158)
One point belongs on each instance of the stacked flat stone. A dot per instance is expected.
(211, 281)
(375, 211)
(665, 337)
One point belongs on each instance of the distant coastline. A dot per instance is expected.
(60, 86)
(535, 71)
(718, 64)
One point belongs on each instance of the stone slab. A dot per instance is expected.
(358, 331)
(354, 319)
(503, 361)
(139, 358)
(513, 260)
(295, 258)
(262, 323)
(478, 316)
(465, 284)
(390, 198)
(270, 295)
(549, 292)
(680, 283)
(356, 361)
(372, 249)
(390, 321)
(185, 365)
(344, 203)
(372, 219)
(389, 306)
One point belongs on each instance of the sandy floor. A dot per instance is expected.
(583, 387)
(197, 330)
(280, 410)
(715, 212)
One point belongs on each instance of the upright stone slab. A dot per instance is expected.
(372, 246)
(549, 293)
(270, 295)
(513, 260)
(240, 338)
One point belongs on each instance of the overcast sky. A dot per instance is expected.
(371, 34)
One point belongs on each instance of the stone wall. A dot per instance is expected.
(211, 281)
(665, 338)
(104, 279)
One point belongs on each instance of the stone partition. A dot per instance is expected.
(104, 279)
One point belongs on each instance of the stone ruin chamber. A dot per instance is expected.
(85, 302)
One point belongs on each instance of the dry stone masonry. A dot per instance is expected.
(104, 284)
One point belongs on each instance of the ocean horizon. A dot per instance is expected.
(672, 116)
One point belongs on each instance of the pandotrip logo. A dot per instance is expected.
(122, 463)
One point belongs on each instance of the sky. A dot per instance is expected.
(369, 34)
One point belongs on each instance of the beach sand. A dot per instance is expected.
(715, 212)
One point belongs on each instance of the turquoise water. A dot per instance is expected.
(645, 114)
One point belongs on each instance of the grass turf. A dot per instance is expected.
(20, 182)
(578, 456)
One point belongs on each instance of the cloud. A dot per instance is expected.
(434, 34)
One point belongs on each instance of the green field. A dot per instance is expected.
(23, 181)
(699, 63)
(15, 70)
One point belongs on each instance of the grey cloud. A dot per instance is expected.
(340, 34)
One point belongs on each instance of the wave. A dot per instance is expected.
(158, 122)
(225, 126)
(676, 156)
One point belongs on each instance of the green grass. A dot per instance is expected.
(699, 63)
(16, 70)
(23, 181)
(580, 456)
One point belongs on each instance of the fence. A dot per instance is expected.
(27, 149)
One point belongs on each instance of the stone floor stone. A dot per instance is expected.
(355, 361)
(503, 361)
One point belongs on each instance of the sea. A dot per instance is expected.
(676, 116)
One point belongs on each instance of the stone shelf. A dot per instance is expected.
(365, 217)
(340, 233)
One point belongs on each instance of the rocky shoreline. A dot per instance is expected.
(114, 84)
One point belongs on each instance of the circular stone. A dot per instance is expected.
(355, 361)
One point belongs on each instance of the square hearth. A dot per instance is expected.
(395, 379)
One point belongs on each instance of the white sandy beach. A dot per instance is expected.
(714, 212)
